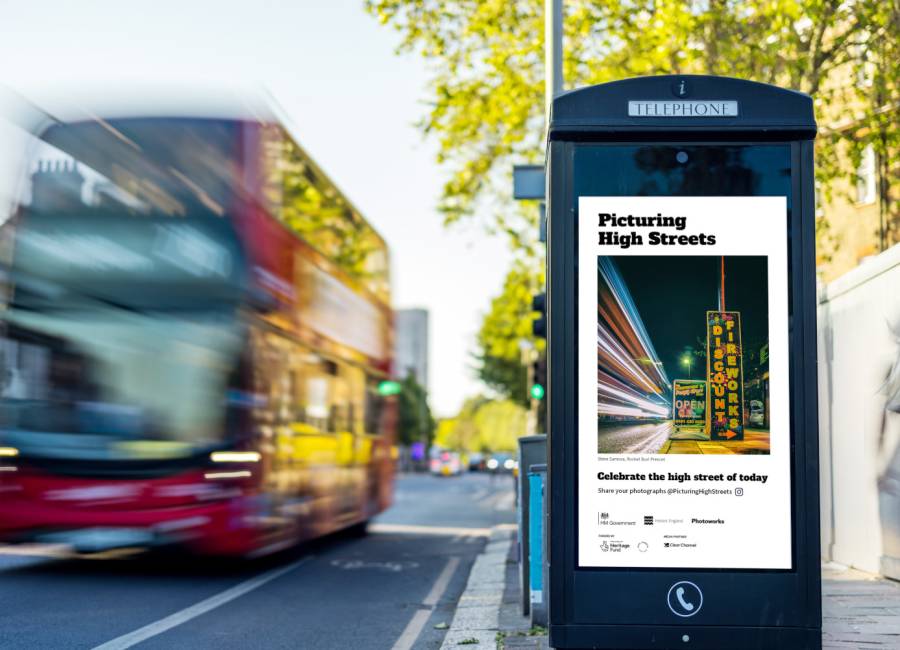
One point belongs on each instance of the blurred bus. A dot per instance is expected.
(195, 324)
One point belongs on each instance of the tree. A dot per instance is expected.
(414, 420)
(500, 424)
(486, 100)
(505, 330)
(484, 425)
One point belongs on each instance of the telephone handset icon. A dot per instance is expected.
(679, 594)
(685, 599)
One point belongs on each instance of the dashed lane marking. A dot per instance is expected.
(411, 529)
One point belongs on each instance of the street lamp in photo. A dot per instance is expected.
(688, 362)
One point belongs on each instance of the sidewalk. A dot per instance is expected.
(859, 610)
(754, 442)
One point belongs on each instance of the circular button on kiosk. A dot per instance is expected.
(685, 599)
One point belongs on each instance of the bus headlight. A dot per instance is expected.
(235, 457)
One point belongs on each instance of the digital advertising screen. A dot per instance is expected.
(684, 450)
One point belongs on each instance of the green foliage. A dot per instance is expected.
(486, 98)
(483, 425)
(414, 420)
(486, 103)
(505, 330)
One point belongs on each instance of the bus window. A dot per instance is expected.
(375, 405)
(299, 195)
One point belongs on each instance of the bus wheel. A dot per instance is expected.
(360, 529)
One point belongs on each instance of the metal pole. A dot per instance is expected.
(722, 286)
(553, 52)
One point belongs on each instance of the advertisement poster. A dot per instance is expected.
(689, 404)
(683, 434)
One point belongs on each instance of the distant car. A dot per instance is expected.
(757, 413)
(446, 463)
(476, 462)
(501, 463)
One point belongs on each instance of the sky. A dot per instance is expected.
(674, 311)
(350, 99)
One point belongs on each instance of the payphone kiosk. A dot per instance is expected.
(682, 393)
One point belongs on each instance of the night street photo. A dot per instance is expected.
(682, 356)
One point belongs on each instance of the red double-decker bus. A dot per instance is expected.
(195, 326)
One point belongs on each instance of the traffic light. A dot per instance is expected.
(389, 387)
(539, 378)
(539, 324)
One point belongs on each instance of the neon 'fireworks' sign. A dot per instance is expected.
(724, 372)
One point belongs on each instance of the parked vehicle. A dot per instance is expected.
(447, 463)
(757, 414)
(477, 462)
(501, 463)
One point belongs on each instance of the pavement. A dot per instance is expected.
(395, 588)
(437, 571)
(756, 441)
(860, 610)
(661, 438)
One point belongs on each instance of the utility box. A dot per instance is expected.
(683, 461)
(532, 451)
(537, 480)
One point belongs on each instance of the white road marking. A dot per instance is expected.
(488, 498)
(204, 606)
(479, 494)
(411, 529)
(506, 502)
(354, 565)
(417, 623)
(440, 585)
(412, 630)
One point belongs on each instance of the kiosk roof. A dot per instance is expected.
(682, 104)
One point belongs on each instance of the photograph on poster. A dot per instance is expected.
(682, 355)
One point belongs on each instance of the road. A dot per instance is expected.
(633, 438)
(386, 590)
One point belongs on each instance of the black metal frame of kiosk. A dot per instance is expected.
(615, 608)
